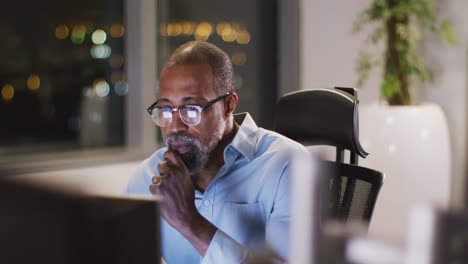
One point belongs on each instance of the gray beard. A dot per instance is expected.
(196, 159)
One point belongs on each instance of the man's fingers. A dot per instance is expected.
(173, 158)
(157, 180)
(163, 168)
(154, 189)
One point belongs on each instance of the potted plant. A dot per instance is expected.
(409, 142)
(399, 23)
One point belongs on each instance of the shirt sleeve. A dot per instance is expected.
(223, 247)
(140, 180)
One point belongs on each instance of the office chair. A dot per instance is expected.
(353, 190)
(330, 117)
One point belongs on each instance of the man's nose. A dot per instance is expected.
(177, 124)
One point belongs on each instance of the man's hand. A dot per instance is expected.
(177, 190)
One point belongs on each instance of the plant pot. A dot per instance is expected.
(411, 145)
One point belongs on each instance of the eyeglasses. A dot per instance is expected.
(189, 114)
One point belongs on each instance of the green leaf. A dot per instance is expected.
(390, 85)
(447, 32)
(377, 35)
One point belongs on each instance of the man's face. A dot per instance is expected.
(191, 84)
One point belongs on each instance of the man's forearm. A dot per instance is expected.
(199, 232)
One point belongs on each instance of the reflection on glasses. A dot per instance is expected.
(189, 114)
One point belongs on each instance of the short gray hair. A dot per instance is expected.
(200, 52)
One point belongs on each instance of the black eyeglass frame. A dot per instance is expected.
(200, 108)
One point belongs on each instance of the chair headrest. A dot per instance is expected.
(320, 117)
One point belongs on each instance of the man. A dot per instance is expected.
(223, 181)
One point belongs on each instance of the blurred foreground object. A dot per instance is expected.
(316, 236)
(306, 211)
(437, 236)
(434, 236)
(41, 225)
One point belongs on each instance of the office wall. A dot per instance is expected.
(329, 48)
(328, 51)
(450, 88)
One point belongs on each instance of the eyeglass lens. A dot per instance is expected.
(189, 115)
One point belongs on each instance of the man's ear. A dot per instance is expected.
(231, 104)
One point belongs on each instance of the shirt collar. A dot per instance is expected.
(246, 137)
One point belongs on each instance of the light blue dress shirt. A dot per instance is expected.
(248, 200)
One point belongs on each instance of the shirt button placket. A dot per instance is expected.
(207, 208)
(208, 203)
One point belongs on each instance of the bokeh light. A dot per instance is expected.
(203, 31)
(243, 37)
(88, 91)
(95, 117)
(117, 30)
(221, 26)
(229, 33)
(239, 58)
(101, 88)
(61, 32)
(101, 51)
(163, 30)
(121, 88)
(174, 29)
(238, 81)
(33, 82)
(116, 61)
(188, 28)
(78, 34)
(8, 92)
(99, 36)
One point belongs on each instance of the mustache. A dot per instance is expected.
(179, 137)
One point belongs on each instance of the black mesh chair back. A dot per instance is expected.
(330, 117)
(353, 191)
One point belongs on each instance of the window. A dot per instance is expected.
(62, 75)
(246, 30)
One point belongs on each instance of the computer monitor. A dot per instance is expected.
(310, 208)
(40, 225)
(306, 209)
